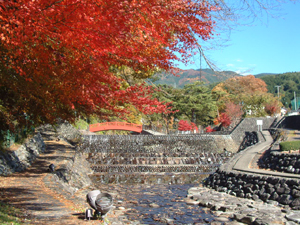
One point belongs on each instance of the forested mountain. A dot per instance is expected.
(289, 82)
(184, 77)
(264, 74)
(289, 86)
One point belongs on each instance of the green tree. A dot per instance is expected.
(166, 94)
(195, 102)
(288, 82)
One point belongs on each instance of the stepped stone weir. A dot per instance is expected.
(151, 155)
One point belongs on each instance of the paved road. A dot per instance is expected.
(244, 159)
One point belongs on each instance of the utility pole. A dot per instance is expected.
(278, 91)
(295, 100)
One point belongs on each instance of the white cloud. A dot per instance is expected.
(244, 70)
(240, 67)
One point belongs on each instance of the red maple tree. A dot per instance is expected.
(224, 119)
(57, 56)
(194, 127)
(234, 111)
(184, 125)
(209, 129)
(272, 108)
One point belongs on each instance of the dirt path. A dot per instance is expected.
(29, 190)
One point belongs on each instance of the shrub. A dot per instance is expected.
(209, 129)
(81, 124)
(289, 145)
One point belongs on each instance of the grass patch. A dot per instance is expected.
(289, 145)
(9, 215)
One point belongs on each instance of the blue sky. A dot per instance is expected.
(269, 45)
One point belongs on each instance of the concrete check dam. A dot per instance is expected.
(124, 158)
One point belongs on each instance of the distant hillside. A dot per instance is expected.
(184, 77)
(264, 74)
(289, 87)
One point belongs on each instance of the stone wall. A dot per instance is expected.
(282, 162)
(159, 143)
(284, 191)
(67, 132)
(222, 142)
(74, 173)
(63, 130)
(20, 159)
(249, 125)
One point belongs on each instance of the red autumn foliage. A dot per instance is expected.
(272, 108)
(194, 127)
(209, 129)
(234, 111)
(184, 125)
(58, 55)
(224, 119)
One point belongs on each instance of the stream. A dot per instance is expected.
(157, 199)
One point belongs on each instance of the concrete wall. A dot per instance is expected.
(290, 122)
(249, 125)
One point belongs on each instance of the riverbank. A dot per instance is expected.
(242, 210)
(242, 191)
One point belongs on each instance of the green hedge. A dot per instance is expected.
(289, 145)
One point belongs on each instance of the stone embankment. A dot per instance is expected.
(284, 191)
(282, 162)
(245, 211)
(73, 172)
(23, 157)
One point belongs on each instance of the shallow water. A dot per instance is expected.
(155, 199)
(168, 202)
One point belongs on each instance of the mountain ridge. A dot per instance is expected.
(183, 77)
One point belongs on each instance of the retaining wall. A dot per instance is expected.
(20, 159)
(249, 125)
(290, 122)
(282, 162)
(158, 143)
(245, 185)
